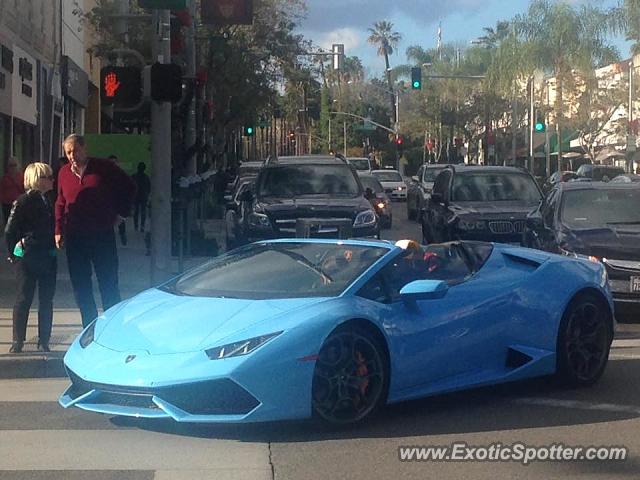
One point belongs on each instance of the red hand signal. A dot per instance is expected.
(111, 84)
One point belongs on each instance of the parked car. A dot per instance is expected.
(556, 178)
(319, 196)
(374, 191)
(361, 164)
(479, 203)
(290, 329)
(600, 220)
(393, 183)
(599, 173)
(419, 190)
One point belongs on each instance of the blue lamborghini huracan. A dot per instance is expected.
(334, 329)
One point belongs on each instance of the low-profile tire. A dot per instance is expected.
(351, 377)
(584, 341)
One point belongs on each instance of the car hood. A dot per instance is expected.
(498, 210)
(619, 243)
(315, 206)
(162, 323)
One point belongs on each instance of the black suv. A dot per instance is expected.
(316, 196)
(479, 203)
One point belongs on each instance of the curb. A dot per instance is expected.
(50, 365)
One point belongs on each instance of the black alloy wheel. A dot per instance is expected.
(351, 378)
(584, 341)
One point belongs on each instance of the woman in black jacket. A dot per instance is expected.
(29, 234)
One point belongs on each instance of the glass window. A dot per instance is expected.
(360, 163)
(431, 173)
(372, 183)
(434, 262)
(600, 208)
(298, 180)
(495, 187)
(279, 270)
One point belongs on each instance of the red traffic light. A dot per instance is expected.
(399, 140)
(120, 86)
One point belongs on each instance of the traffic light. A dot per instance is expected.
(416, 78)
(399, 144)
(120, 86)
(166, 82)
(539, 126)
(249, 131)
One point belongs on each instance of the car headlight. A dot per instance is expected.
(87, 336)
(402, 188)
(259, 220)
(381, 205)
(366, 217)
(237, 349)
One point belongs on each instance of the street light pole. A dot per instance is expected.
(161, 161)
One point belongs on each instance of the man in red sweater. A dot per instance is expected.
(93, 196)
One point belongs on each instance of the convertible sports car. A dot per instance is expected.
(295, 328)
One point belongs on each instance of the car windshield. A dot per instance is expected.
(279, 270)
(495, 187)
(360, 163)
(372, 183)
(600, 208)
(430, 174)
(298, 180)
(390, 176)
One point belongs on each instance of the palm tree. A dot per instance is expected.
(494, 36)
(387, 40)
(625, 19)
(564, 40)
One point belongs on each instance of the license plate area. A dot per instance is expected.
(634, 284)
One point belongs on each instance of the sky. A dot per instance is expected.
(347, 21)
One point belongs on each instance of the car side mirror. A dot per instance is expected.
(246, 196)
(423, 290)
(415, 178)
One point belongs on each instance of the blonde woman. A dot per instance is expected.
(30, 240)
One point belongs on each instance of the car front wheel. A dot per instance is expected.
(351, 377)
(584, 341)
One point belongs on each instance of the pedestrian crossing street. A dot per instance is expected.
(40, 439)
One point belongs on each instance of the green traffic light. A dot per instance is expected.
(539, 127)
(416, 85)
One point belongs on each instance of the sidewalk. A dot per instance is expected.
(135, 276)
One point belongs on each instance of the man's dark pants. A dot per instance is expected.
(98, 250)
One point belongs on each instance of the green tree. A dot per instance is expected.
(565, 39)
(625, 19)
(386, 39)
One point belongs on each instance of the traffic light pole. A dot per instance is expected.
(161, 162)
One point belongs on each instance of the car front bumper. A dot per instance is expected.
(187, 387)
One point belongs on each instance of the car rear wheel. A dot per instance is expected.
(584, 341)
(351, 377)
